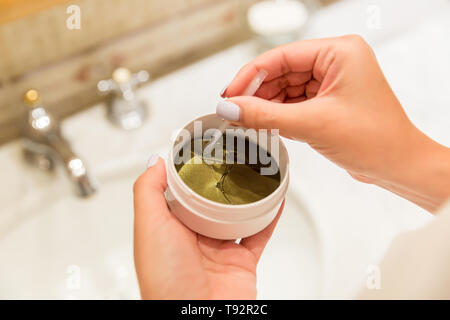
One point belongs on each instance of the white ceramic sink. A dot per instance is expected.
(72, 248)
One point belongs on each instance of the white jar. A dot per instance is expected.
(217, 220)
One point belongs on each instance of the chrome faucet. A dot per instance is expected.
(124, 108)
(44, 145)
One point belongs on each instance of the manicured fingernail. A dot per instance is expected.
(228, 110)
(152, 160)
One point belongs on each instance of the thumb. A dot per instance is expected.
(294, 120)
(149, 201)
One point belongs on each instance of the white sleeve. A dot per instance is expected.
(417, 264)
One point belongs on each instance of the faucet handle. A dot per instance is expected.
(31, 98)
(140, 77)
(38, 121)
(125, 109)
(123, 78)
(121, 75)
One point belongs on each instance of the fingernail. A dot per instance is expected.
(222, 93)
(152, 160)
(228, 110)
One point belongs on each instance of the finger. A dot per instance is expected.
(150, 204)
(311, 89)
(280, 97)
(295, 100)
(271, 88)
(294, 57)
(298, 78)
(295, 92)
(256, 243)
(298, 120)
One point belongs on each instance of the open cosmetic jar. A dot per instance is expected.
(232, 192)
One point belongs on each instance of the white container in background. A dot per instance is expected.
(277, 22)
(217, 220)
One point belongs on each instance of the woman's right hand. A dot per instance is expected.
(332, 94)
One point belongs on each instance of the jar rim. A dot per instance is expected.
(217, 206)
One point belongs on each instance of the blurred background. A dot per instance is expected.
(89, 89)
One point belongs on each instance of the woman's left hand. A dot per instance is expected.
(173, 262)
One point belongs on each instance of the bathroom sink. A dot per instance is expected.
(333, 229)
(69, 248)
(55, 245)
(291, 265)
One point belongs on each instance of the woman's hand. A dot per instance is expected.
(173, 262)
(332, 94)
